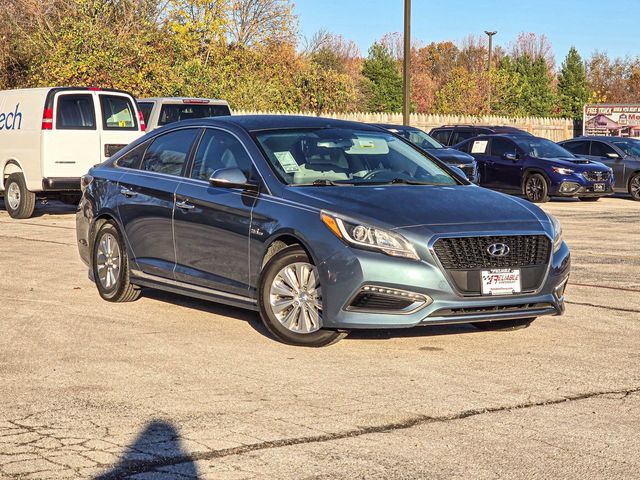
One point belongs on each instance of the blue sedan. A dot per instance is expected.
(323, 226)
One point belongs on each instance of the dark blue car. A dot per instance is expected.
(536, 168)
(321, 225)
(450, 156)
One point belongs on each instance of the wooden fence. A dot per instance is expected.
(555, 129)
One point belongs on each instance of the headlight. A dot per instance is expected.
(364, 236)
(557, 233)
(562, 171)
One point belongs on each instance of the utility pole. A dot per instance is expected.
(490, 34)
(406, 88)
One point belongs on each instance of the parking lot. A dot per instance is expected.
(169, 387)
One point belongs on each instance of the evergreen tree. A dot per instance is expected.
(532, 82)
(573, 86)
(384, 80)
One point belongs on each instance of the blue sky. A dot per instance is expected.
(590, 25)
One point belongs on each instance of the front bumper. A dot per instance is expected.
(344, 274)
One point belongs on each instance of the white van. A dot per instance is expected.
(161, 111)
(50, 137)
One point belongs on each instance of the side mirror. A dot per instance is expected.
(231, 178)
(613, 155)
(459, 172)
(511, 156)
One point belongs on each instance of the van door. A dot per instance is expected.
(118, 122)
(73, 145)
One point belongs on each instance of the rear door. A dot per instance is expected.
(119, 121)
(146, 199)
(73, 144)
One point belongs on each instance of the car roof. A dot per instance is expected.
(601, 138)
(278, 122)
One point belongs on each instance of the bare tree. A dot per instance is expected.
(258, 22)
(534, 46)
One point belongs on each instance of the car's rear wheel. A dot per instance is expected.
(589, 199)
(19, 202)
(111, 266)
(634, 187)
(536, 188)
(498, 325)
(290, 300)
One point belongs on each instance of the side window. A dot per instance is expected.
(460, 135)
(219, 149)
(500, 146)
(75, 112)
(465, 147)
(132, 158)
(599, 149)
(442, 136)
(145, 108)
(577, 148)
(117, 113)
(168, 153)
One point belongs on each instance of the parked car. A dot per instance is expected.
(321, 225)
(162, 111)
(50, 137)
(450, 156)
(536, 168)
(450, 135)
(621, 154)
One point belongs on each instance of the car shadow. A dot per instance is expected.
(156, 450)
(53, 207)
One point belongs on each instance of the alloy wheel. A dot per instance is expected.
(634, 187)
(535, 188)
(295, 298)
(13, 196)
(108, 261)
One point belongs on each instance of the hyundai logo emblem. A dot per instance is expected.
(498, 249)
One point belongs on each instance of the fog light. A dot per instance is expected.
(558, 292)
(569, 187)
(376, 299)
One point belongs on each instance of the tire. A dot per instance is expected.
(110, 265)
(299, 319)
(634, 187)
(588, 199)
(504, 325)
(536, 188)
(19, 202)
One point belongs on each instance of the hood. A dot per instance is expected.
(451, 156)
(440, 208)
(578, 164)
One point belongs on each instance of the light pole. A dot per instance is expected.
(406, 99)
(490, 34)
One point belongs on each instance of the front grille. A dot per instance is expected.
(460, 312)
(597, 176)
(470, 253)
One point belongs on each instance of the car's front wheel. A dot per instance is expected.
(290, 300)
(536, 188)
(500, 325)
(634, 187)
(111, 266)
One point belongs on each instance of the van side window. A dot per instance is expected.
(75, 112)
(133, 158)
(168, 153)
(117, 113)
(218, 150)
(145, 108)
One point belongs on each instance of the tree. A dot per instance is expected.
(384, 80)
(259, 22)
(573, 86)
(534, 47)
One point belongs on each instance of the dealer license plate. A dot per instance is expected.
(599, 187)
(500, 282)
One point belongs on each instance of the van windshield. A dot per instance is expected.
(176, 112)
(118, 113)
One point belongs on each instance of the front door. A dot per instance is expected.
(212, 223)
(146, 200)
(601, 152)
(504, 173)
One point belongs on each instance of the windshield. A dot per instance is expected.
(419, 138)
(630, 147)
(339, 156)
(543, 148)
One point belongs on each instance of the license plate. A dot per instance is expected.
(500, 282)
(599, 187)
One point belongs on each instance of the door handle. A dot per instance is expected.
(184, 205)
(127, 193)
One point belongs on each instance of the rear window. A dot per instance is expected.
(118, 113)
(176, 112)
(145, 108)
(75, 112)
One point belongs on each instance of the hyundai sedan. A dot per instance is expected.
(323, 226)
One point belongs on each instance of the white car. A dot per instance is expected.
(164, 110)
(51, 137)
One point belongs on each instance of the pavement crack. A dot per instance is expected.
(39, 240)
(605, 307)
(144, 466)
(622, 289)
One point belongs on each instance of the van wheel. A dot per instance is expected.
(536, 188)
(18, 201)
(290, 300)
(634, 187)
(501, 325)
(111, 266)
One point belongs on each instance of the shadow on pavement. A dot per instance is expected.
(53, 207)
(156, 450)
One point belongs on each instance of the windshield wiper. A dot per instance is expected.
(322, 182)
(400, 181)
